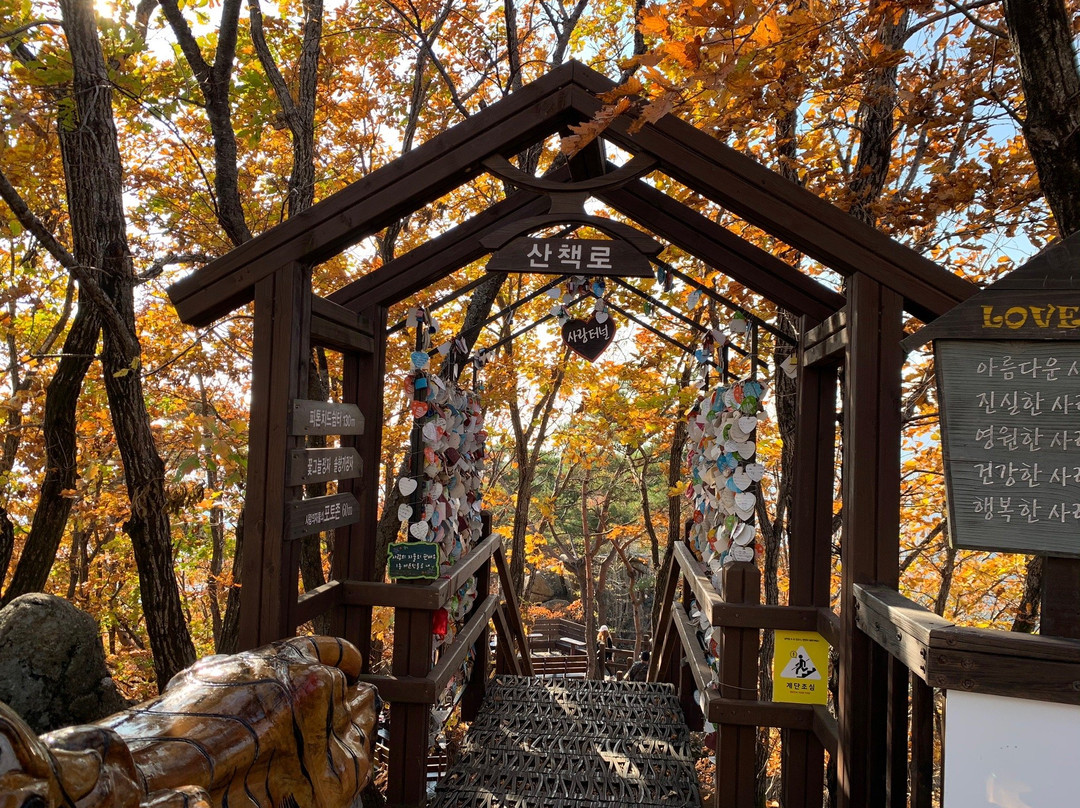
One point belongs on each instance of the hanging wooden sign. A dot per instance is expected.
(588, 338)
(308, 466)
(1007, 362)
(325, 418)
(412, 560)
(306, 517)
(571, 256)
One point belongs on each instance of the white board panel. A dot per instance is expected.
(1012, 753)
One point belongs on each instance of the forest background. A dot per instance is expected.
(142, 140)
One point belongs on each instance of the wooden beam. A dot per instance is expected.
(435, 258)
(316, 602)
(780, 207)
(381, 198)
(826, 343)
(718, 247)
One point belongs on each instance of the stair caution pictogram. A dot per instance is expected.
(801, 667)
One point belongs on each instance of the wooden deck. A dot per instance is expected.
(574, 742)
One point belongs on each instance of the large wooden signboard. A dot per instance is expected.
(571, 256)
(1011, 443)
(1008, 373)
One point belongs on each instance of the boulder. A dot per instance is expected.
(545, 585)
(52, 664)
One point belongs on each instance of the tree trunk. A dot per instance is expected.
(94, 175)
(1042, 40)
(61, 454)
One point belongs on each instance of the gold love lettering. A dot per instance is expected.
(1048, 316)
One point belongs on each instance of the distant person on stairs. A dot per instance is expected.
(604, 646)
(639, 671)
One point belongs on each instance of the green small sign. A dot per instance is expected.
(413, 559)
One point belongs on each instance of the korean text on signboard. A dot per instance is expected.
(1011, 436)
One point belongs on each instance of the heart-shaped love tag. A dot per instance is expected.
(404, 513)
(744, 501)
(748, 423)
(755, 471)
(418, 530)
(727, 500)
(746, 450)
(406, 485)
(588, 338)
(739, 553)
(742, 480)
(601, 316)
(743, 534)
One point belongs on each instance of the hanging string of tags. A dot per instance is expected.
(724, 474)
(446, 474)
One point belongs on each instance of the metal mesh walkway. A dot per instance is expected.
(573, 743)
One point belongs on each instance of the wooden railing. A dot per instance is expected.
(415, 684)
(734, 704)
(931, 652)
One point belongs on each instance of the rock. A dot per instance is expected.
(52, 664)
(545, 585)
(555, 604)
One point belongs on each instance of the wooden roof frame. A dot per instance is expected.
(569, 95)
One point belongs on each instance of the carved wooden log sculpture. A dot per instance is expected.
(283, 726)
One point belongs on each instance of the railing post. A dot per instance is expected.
(736, 765)
(410, 724)
(474, 693)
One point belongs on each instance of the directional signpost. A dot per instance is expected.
(306, 517)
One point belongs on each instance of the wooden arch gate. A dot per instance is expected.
(858, 335)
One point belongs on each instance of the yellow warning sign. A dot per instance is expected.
(801, 667)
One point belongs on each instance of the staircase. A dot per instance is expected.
(573, 743)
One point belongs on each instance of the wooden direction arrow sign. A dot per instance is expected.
(325, 418)
(307, 466)
(305, 517)
(571, 256)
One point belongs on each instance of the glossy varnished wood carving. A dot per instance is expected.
(284, 725)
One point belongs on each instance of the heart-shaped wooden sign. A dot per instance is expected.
(588, 338)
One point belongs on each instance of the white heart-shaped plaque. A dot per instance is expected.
(748, 423)
(418, 530)
(738, 553)
(744, 501)
(746, 449)
(404, 513)
(406, 485)
(742, 481)
(755, 471)
(743, 534)
(601, 316)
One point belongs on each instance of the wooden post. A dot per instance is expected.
(870, 546)
(802, 754)
(279, 374)
(410, 724)
(1060, 609)
(474, 693)
(922, 743)
(354, 548)
(736, 757)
